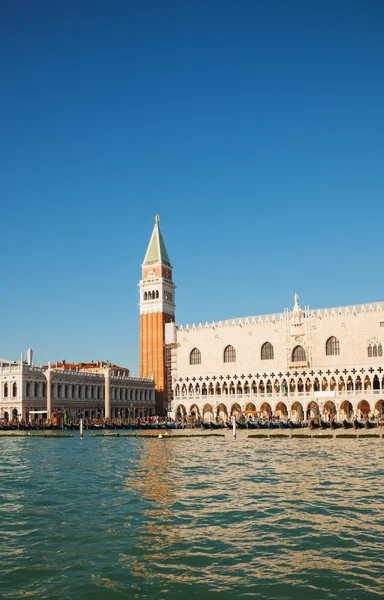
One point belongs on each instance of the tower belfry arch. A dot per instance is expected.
(157, 307)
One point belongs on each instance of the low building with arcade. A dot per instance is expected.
(95, 390)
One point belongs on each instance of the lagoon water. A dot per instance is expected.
(208, 518)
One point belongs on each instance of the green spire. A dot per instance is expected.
(156, 251)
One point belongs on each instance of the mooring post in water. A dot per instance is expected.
(234, 426)
(81, 428)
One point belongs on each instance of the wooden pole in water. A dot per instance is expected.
(234, 426)
(81, 428)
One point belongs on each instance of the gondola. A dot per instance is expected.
(358, 424)
(217, 425)
(370, 424)
(284, 425)
(347, 424)
(325, 424)
(263, 425)
(253, 425)
(241, 425)
(170, 426)
(206, 425)
(313, 425)
(273, 425)
(298, 425)
(336, 425)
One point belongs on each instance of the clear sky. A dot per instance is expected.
(254, 128)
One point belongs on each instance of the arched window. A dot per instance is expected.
(267, 351)
(298, 354)
(157, 293)
(5, 390)
(145, 295)
(14, 390)
(375, 349)
(229, 354)
(195, 357)
(332, 346)
(27, 389)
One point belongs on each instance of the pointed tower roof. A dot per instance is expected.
(156, 251)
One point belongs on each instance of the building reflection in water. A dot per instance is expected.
(257, 511)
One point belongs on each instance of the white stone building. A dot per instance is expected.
(75, 389)
(296, 364)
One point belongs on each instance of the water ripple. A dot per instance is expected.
(195, 517)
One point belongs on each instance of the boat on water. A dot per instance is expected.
(336, 425)
(347, 424)
(215, 425)
(298, 425)
(370, 424)
(358, 424)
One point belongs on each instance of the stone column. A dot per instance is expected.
(107, 400)
(48, 375)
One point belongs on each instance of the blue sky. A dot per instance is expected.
(255, 129)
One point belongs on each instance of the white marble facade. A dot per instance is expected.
(299, 363)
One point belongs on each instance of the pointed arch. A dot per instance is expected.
(332, 346)
(298, 354)
(267, 351)
(266, 409)
(281, 410)
(195, 357)
(229, 354)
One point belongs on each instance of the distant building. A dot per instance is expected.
(76, 389)
(300, 363)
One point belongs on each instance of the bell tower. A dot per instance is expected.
(157, 307)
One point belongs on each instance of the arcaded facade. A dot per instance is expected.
(27, 391)
(296, 364)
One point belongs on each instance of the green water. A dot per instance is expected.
(208, 518)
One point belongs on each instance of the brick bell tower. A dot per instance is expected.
(157, 307)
